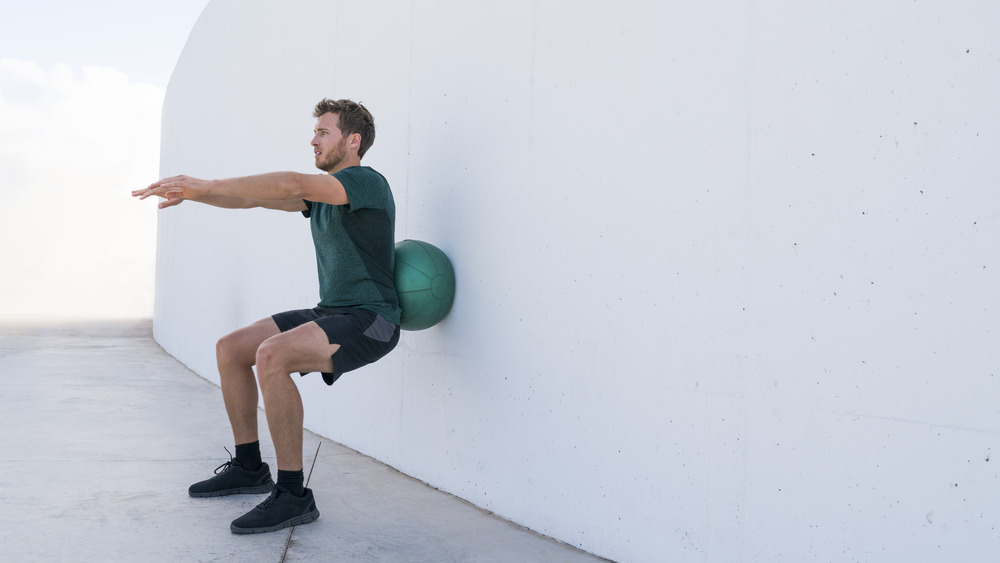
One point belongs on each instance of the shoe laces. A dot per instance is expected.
(227, 465)
(269, 500)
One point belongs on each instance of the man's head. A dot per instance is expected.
(353, 118)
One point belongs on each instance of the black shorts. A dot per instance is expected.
(364, 336)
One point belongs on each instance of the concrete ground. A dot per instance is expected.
(101, 432)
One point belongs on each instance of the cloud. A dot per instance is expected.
(73, 143)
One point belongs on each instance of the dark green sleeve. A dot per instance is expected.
(366, 189)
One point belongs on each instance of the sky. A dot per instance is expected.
(81, 93)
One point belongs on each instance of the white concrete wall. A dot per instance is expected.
(727, 272)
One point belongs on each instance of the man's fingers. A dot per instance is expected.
(164, 191)
(170, 189)
(143, 194)
(170, 202)
(165, 182)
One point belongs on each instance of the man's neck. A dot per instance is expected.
(348, 163)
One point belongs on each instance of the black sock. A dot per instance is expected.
(292, 481)
(249, 455)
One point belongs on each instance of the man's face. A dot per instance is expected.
(329, 144)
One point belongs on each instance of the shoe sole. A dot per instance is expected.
(296, 521)
(235, 491)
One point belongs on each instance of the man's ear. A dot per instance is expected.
(355, 141)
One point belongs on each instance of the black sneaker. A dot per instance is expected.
(281, 510)
(232, 478)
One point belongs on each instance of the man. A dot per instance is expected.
(352, 216)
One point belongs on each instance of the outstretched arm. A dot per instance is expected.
(276, 190)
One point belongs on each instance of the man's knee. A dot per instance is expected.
(270, 358)
(225, 348)
(237, 348)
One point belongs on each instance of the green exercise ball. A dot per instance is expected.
(425, 283)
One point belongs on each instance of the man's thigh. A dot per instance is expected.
(354, 338)
(305, 348)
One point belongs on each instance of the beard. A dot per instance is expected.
(334, 159)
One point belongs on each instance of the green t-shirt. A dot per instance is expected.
(355, 244)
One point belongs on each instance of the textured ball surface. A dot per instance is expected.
(425, 283)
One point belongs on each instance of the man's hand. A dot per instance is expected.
(173, 190)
